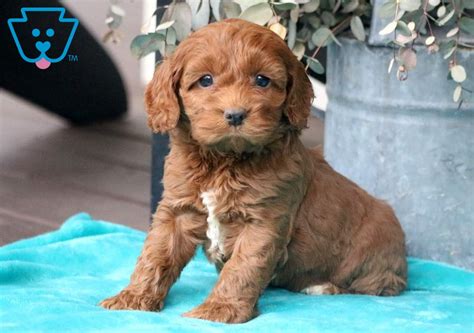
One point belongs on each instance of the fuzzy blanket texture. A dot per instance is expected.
(53, 282)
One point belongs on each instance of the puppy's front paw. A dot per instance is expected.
(127, 300)
(220, 312)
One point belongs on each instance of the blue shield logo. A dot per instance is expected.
(46, 35)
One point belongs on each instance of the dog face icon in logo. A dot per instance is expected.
(42, 35)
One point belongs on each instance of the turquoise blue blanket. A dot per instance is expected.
(53, 282)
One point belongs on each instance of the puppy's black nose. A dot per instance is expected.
(235, 117)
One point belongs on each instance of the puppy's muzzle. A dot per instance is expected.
(235, 117)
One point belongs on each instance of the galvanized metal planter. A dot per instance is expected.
(406, 143)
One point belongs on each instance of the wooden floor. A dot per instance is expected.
(49, 171)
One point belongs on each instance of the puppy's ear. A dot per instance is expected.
(300, 95)
(161, 98)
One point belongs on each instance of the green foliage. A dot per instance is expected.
(357, 28)
(441, 25)
(145, 44)
(307, 26)
(260, 13)
(113, 20)
(315, 65)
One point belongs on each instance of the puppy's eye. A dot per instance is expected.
(262, 81)
(206, 81)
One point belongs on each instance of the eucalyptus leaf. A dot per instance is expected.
(161, 32)
(294, 14)
(200, 11)
(304, 34)
(441, 11)
(117, 10)
(390, 65)
(445, 46)
(403, 28)
(430, 40)
(410, 5)
(388, 9)
(315, 65)
(458, 73)
(311, 6)
(328, 18)
(449, 53)
(285, 5)
(230, 9)
(298, 50)
(407, 58)
(446, 18)
(279, 29)
(457, 93)
(314, 21)
(167, 15)
(215, 6)
(400, 14)
(114, 21)
(467, 25)
(357, 28)
(350, 6)
(259, 14)
(169, 49)
(452, 32)
(144, 44)
(291, 34)
(468, 4)
(183, 20)
(165, 25)
(244, 4)
(322, 37)
(389, 28)
(162, 48)
(170, 36)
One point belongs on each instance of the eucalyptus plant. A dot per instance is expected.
(308, 26)
(440, 25)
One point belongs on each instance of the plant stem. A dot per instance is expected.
(427, 16)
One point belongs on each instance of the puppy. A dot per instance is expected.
(238, 180)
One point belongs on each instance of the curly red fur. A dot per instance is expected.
(283, 216)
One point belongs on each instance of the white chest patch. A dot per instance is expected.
(214, 231)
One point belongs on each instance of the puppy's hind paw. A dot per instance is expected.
(127, 300)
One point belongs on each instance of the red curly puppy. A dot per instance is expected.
(269, 211)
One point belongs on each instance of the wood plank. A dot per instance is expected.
(52, 201)
(57, 138)
(133, 126)
(45, 156)
(15, 227)
(68, 168)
